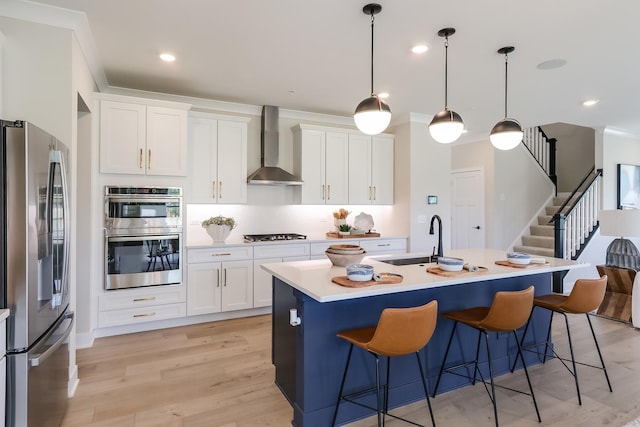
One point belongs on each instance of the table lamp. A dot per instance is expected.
(621, 223)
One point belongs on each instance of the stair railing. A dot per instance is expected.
(543, 150)
(576, 220)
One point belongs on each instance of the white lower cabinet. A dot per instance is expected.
(130, 306)
(219, 279)
(262, 295)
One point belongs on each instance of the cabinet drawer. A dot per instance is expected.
(147, 297)
(140, 315)
(233, 253)
(280, 251)
(384, 245)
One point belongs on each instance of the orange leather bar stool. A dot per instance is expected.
(585, 297)
(509, 311)
(400, 331)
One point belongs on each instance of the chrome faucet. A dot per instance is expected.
(433, 218)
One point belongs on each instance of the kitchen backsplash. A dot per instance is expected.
(312, 221)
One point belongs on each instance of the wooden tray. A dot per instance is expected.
(385, 279)
(351, 236)
(508, 264)
(463, 272)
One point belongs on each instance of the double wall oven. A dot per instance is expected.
(143, 236)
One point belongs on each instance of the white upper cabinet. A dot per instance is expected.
(324, 164)
(217, 159)
(370, 169)
(141, 136)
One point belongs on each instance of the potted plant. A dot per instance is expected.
(344, 229)
(219, 227)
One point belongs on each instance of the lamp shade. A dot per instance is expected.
(372, 116)
(620, 222)
(446, 126)
(506, 134)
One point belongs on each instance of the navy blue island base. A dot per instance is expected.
(309, 358)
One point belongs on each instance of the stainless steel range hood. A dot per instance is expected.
(270, 173)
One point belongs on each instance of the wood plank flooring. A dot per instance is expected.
(220, 375)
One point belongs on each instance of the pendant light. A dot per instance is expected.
(507, 133)
(372, 115)
(447, 125)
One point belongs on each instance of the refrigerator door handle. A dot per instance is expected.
(38, 359)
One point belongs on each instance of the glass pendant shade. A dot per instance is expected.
(446, 126)
(372, 116)
(506, 134)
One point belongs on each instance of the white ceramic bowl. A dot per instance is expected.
(518, 258)
(359, 272)
(343, 260)
(450, 263)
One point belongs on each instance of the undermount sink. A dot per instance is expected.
(409, 261)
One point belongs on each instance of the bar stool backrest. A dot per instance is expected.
(403, 331)
(586, 295)
(509, 310)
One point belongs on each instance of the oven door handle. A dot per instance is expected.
(145, 199)
(143, 238)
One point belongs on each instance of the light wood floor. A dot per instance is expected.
(220, 375)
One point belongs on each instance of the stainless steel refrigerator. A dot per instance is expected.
(34, 264)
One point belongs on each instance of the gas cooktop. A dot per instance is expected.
(273, 237)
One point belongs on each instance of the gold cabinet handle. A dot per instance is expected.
(329, 192)
(149, 159)
(144, 299)
(141, 164)
(213, 188)
(220, 190)
(218, 279)
(221, 254)
(374, 192)
(144, 314)
(322, 191)
(369, 192)
(225, 278)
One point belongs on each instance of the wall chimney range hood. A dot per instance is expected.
(270, 173)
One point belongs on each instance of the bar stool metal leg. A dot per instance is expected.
(446, 353)
(606, 375)
(426, 390)
(344, 377)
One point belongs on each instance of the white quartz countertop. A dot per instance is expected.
(238, 241)
(313, 278)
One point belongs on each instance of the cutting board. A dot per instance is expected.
(463, 272)
(351, 236)
(385, 279)
(508, 264)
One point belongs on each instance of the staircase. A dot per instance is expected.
(540, 240)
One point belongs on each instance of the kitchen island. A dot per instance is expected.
(309, 358)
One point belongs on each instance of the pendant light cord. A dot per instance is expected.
(446, 72)
(372, 19)
(506, 77)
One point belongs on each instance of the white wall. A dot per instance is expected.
(574, 154)
(36, 76)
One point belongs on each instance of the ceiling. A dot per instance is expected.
(315, 56)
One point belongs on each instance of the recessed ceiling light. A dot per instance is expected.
(590, 102)
(383, 95)
(419, 48)
(551, 64)
(167, 57)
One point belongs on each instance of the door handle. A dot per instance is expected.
(141, 164)
(329, 192)
(213, 188)
(149, 159)
(477, 227)
(220, 190)
(39, 358)
(322, 191)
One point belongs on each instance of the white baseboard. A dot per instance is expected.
(84, 340)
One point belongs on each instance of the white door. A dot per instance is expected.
(468, 228)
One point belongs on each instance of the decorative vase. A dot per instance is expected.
(218, 233)
(344, 233)
(338, 222)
